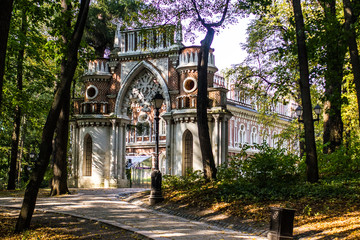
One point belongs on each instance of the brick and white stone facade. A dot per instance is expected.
(115, 117)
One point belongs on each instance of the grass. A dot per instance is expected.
(43, 192)
(327, 210)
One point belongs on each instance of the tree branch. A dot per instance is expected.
(211, 25)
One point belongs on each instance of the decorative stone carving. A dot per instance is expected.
(142, 90)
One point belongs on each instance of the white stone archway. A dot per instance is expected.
(120, 106)
(139, 86)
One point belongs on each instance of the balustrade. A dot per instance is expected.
(93, 108)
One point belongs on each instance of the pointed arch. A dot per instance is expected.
(187, 162)
(135, 71)
(88, 146)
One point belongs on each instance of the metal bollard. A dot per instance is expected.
(281, 223)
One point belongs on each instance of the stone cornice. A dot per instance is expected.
(116, 57)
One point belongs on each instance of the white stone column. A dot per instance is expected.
(226, 139)
(169, 142)
(169, 138)
(122, 150)
(173, 148)
(223, 140)
(74, 154)
(215, 139)
(113, 149)
(122, 42)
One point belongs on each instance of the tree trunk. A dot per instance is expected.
(67, 73)
(14, 150)
(59, 181)
(17, 119)
(202, 107)
(350, 34)
(21, 142)
(335, 55)
(312, 172)
(6, 7)
(202, 96)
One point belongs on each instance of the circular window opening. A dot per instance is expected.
(189, 85)
(143, 117)
(91, 92)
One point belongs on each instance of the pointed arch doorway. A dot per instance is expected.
(187, 163)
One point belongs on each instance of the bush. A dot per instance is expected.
(189, 181)
(266, 167)
(344, 162)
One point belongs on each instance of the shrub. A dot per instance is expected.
(267, 166)
(189, 181)
(344, 162)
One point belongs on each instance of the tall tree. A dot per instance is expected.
(17, 113)
(208, 17)
(202, 95)
(67, 73)
(59, 181)
(310, 147)
(335, 49)
(6, 7)
(350, 34)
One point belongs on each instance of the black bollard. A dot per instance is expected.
(281, 223)
(156, 193)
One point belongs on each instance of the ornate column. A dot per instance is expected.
(169, 141)
(223, 140)
(74, 154)
(121, 149)
(121, 152)
(215, 140)
(113, 151)
(225, 137)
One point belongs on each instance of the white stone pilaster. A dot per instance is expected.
(122, 150)
(215, 140)
(74, 154)
(169, 142)
(113, 149)
(223, 141)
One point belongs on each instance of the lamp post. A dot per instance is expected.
(156, 178)
(299, 112)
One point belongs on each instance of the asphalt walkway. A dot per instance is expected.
(104, 205)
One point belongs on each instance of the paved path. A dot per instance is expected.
(103, 205)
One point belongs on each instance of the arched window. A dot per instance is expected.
(187, 151)
(242, 134)
(253, 135)
(88, 156)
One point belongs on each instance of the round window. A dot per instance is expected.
(189, 85)
(91, 92)
(143, 117)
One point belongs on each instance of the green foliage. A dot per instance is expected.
(191, 180)
(194, 190)
(43, 51)
(267, 166)
(100, 28)
(344, 162)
